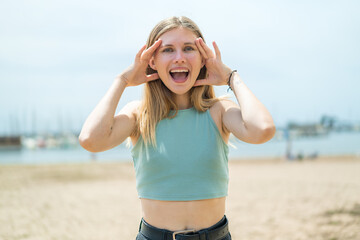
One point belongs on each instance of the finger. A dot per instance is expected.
(217, 50)
(208, 51)
(202, 82)
(153, 47)
(138, 55)
(152, 77)
(150, 51)
(201, 49)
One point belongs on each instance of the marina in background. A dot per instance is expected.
(296, 141)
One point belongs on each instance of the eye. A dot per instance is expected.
(167, 50)
(189, 48)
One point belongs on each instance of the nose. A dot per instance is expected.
(179, 57)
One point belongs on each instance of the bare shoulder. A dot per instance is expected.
(217, 112)
(131, 109)
(223, 105)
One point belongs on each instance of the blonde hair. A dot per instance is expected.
(158, 101)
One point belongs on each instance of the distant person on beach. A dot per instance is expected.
(179, 131)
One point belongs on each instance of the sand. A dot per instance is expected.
(268, 199)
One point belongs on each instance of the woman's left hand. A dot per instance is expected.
(217, 72)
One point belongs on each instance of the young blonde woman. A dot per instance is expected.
(179, 131)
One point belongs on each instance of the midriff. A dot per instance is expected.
(181, 215)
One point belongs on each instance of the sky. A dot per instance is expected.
(58, 58)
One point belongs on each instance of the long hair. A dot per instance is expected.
(158, 101)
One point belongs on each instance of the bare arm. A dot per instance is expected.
(249, 121)
(102, 130)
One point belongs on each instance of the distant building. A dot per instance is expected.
(10, 142)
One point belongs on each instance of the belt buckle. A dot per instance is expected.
(182, 231)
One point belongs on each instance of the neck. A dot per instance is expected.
(183, 101)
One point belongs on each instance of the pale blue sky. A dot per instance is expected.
(58, 58)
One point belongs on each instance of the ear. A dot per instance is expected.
(152, 63)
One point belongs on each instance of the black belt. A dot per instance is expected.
(158, 234)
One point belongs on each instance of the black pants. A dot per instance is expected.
(221, 223)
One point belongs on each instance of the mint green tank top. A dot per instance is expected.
(190, 161)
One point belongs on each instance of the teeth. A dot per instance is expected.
(182, 70)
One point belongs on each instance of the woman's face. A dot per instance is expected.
(177, 60)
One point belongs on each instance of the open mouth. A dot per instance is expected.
(179, 75)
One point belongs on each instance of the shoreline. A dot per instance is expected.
(248, 160)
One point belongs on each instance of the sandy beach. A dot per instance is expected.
(269, 199)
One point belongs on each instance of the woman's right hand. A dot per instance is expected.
(136, 73)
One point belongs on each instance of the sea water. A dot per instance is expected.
(345, 143)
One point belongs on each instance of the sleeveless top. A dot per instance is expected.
(190, 161)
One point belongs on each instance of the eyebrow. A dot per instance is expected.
(170, 45)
